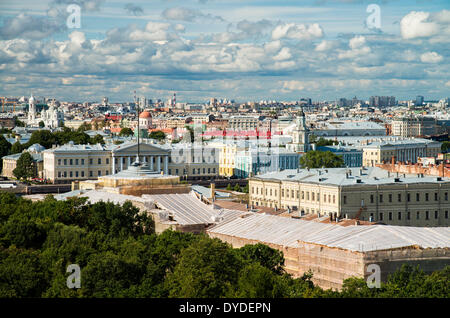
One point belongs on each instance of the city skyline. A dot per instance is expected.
(256, 50)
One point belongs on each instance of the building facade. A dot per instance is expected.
(370, 194)
(254, 162)
(402, 149)
(414, 126)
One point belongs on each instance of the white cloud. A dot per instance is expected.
(325, 46)
(284, 54)
(431, 57)
(297, 31)
(420, 24)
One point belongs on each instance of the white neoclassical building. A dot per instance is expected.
(52, 117)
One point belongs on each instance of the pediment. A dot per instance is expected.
(127, 149)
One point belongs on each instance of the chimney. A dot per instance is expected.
(213, 191)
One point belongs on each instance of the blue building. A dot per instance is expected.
(353, 157)
(259, 161)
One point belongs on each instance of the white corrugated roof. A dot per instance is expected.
(188, 209)
(287, 231)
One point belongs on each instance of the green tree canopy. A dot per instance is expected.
(97, 139)
(126, 132)
(17, 147)
(43, 137)
(158, 135)
(319, 159)
(25, 168)
(5, 148)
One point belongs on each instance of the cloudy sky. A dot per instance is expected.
(236, 49)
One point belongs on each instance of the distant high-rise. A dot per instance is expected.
(382, 101)
(419, 100)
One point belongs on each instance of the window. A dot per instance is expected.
(426, 196)
(176, 171)
(76, 174)
(371, 198)
(324, 198)
(99, 161)
(298, 194)
(446, 214)
(427, 215)
(436, 214)
(399, 197)
(313, 196)
(399, 215)
(435, 196)
(65, 174)
(303, 195)
(106, 172)
(381, 216)
(65, 162)
(282, 193)
(307, 196)
(390, 216)
(99, 173)
(417, 197)
(59, 163)
(408, 197)
(107, 161)
(334, 198)
(91, 174)
(82, 174)
(71, 174)
(381, 198)
(446, 196)
(71, 162)
(345, 199)
(82, 162)
(418, 215)
(292, 194)
(390, 197)
(408, 216)
(91, 161)
(59, 174)
(76, 162)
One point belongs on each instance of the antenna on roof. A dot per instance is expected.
(138, 128)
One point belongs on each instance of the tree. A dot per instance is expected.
(445, 146)
(25, 167)
(98, 139)
(237, 188)
(264, 255)
(43, 137)
(126, 132)
(18, 123)
(41, 124)
(207, 268)
(229, 187)
(17, 147)
(5, 148)
(158, 135)
(84, 126)
(319, 159)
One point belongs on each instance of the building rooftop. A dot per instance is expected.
(348, 176)
(289, 232)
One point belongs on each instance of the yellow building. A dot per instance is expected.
(402, 149)
(370, 194)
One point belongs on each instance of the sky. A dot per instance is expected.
(234, 49)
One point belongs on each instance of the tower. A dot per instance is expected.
(300, 137)
(31, 110)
